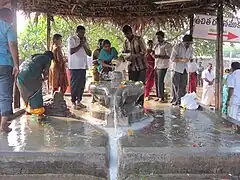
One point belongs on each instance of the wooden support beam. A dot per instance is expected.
(219, 58)
(48, 31)
(16, 94)
(191, 17)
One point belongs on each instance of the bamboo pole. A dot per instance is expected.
(219, 58)
(16, 94)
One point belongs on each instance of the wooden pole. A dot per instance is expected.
(16, 94)
(48, 42)
(48, 31)
(219, 58)
(191, 24)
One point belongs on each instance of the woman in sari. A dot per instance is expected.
(106, 55)
(95, 60)
(150, 71)
(192, 72)
(57, 72)
(29, 81)
(225, 91)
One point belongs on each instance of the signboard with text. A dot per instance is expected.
(205, 27)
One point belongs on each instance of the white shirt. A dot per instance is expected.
(233, 81)
(192, 67)
(77, 60)
(162, 49)
(207, 75)
(180, 51)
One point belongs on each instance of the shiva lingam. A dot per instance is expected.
(115, 99)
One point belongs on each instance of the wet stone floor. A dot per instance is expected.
(175, 127)
(51, 135)
(172, 127)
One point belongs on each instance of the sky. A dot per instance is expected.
(21, 22)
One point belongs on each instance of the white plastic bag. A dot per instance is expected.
(189, 101)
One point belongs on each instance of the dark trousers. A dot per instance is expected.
(138, 76)
(179, 84)
(159, 82)
(77, 84)
(199, 80)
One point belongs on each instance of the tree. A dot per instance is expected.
(204, 47)
(33, 39)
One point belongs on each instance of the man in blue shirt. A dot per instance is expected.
(9, 66)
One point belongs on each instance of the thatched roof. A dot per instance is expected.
(125, 11)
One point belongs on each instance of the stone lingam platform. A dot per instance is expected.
(56, 106)
(177, 145)
(117, 99)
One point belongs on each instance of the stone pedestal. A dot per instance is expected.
(56, 106)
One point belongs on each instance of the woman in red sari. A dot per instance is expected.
(150, 70)
(192, 70)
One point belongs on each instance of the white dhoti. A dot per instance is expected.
(208, 95)
(234, 112)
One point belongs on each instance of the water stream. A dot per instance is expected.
(113, 144)
(116, 133)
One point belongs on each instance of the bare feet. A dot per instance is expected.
(27, 113)
(146, 99)
(4, 125)
(80, 105)
(156, 99)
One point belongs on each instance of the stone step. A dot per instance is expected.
(50, 177)
(166, 160)
(92, 161)
(183, 177)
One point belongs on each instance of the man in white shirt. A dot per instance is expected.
(208, 86)
(78, 50)
(192, 71)
(162, 52)
(233, 83)
(181, 54)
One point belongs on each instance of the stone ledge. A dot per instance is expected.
(91, 162)
(162, 160)
(182, 177)
(211, 112)
(49, 177)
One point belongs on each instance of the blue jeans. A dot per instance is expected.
(6, 90)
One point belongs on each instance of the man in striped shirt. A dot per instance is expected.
(135, 45)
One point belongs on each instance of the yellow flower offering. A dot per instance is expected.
(130, 132)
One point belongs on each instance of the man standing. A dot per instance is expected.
(233, 100)
(199, 74)
(137, 48)
(192, 70)
(180, 57)
(208, 88)
(78, 50)
(9, 66)
(162, 54)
